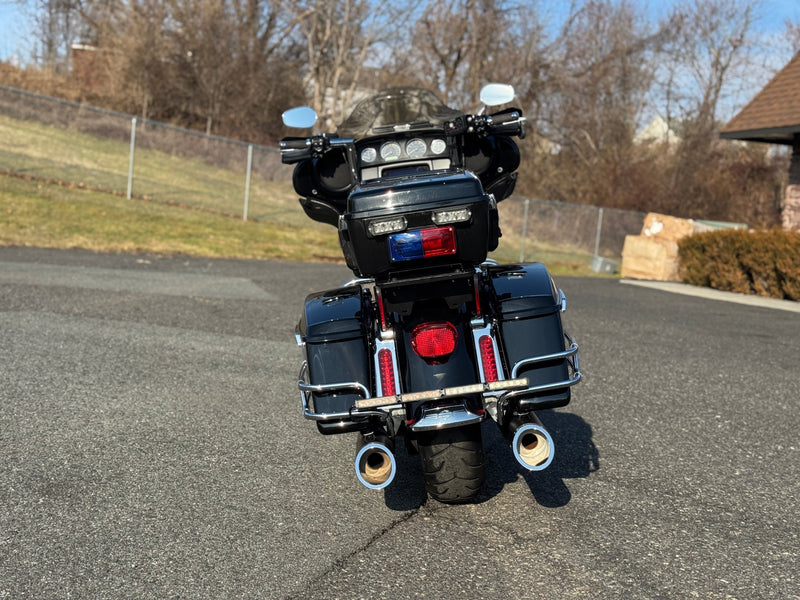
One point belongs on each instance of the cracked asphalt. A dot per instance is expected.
(151, 446)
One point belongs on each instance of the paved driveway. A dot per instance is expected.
(151, 446)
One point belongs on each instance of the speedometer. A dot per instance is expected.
(416, 148)
(390, 151)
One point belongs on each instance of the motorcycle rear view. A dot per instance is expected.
(431, 337)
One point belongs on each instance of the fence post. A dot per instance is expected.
(130, 161)
(247, 180)
(524, 230)
(599, 229)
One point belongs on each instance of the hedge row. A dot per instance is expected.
(766, 263)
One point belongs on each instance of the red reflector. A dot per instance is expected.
(488, 359)
(434, 340)
(387, 372)
(438, 242)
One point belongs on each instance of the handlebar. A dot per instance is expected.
(507, 122)
(296, 149)
(294, 143)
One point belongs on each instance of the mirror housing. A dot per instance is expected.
(301, 117)
(495, 94)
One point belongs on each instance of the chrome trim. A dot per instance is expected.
(562, 297)
(444, 417)
(571, 352)
(543, 436)
(359, 281)
(306, 390)
(570, 355)
(364, 452)
(381, 343)
(479, 329)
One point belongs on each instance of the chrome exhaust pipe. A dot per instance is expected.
(532, 444)
(375, 463)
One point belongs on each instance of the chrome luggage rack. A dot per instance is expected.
(381, 407)
(570, 355)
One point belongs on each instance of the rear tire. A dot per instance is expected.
(452, 462)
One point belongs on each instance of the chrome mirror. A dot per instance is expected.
(495, 94)
(301, 117)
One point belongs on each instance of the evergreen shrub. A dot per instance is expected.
(766, 263)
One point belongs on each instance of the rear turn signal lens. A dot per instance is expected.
(422, 243)
(386, 367)
(488, 358)
(434, 340)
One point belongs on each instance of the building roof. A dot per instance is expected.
(773, 116)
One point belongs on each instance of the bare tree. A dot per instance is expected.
(459, 45)
(709, 56)
(340, 38)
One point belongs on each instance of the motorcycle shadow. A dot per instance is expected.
(576, 456)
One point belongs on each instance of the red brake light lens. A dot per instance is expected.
(434, 340)
(488, 359)
(386, 366)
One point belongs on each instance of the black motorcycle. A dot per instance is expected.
(430, 338)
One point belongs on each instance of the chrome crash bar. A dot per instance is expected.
(307, 389)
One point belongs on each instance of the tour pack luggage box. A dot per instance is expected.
(418, 222)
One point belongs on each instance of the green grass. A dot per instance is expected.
(65, 189)
(66, 155)
(52, 216)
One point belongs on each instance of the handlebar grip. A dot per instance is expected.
(294, 143)
(505, 117)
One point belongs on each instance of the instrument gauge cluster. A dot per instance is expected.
(399, 150)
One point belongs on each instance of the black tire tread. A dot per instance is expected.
(452, 462)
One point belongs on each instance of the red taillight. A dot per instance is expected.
(439, 241)
(386, 367)
(488, 359)
(434, 340)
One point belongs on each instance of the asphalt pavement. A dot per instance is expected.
(152, 446)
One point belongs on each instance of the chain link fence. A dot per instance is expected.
(66, 142)
(551, 231)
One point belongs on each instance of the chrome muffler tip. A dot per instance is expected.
(375, 465)
(533, 447)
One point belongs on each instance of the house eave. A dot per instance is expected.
(770, 135)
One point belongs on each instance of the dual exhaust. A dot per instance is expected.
(375, 462)
(532, 444)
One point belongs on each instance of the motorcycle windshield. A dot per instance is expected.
(413, 107)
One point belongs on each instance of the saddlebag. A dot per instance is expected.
(332, 332)
(527, 306)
